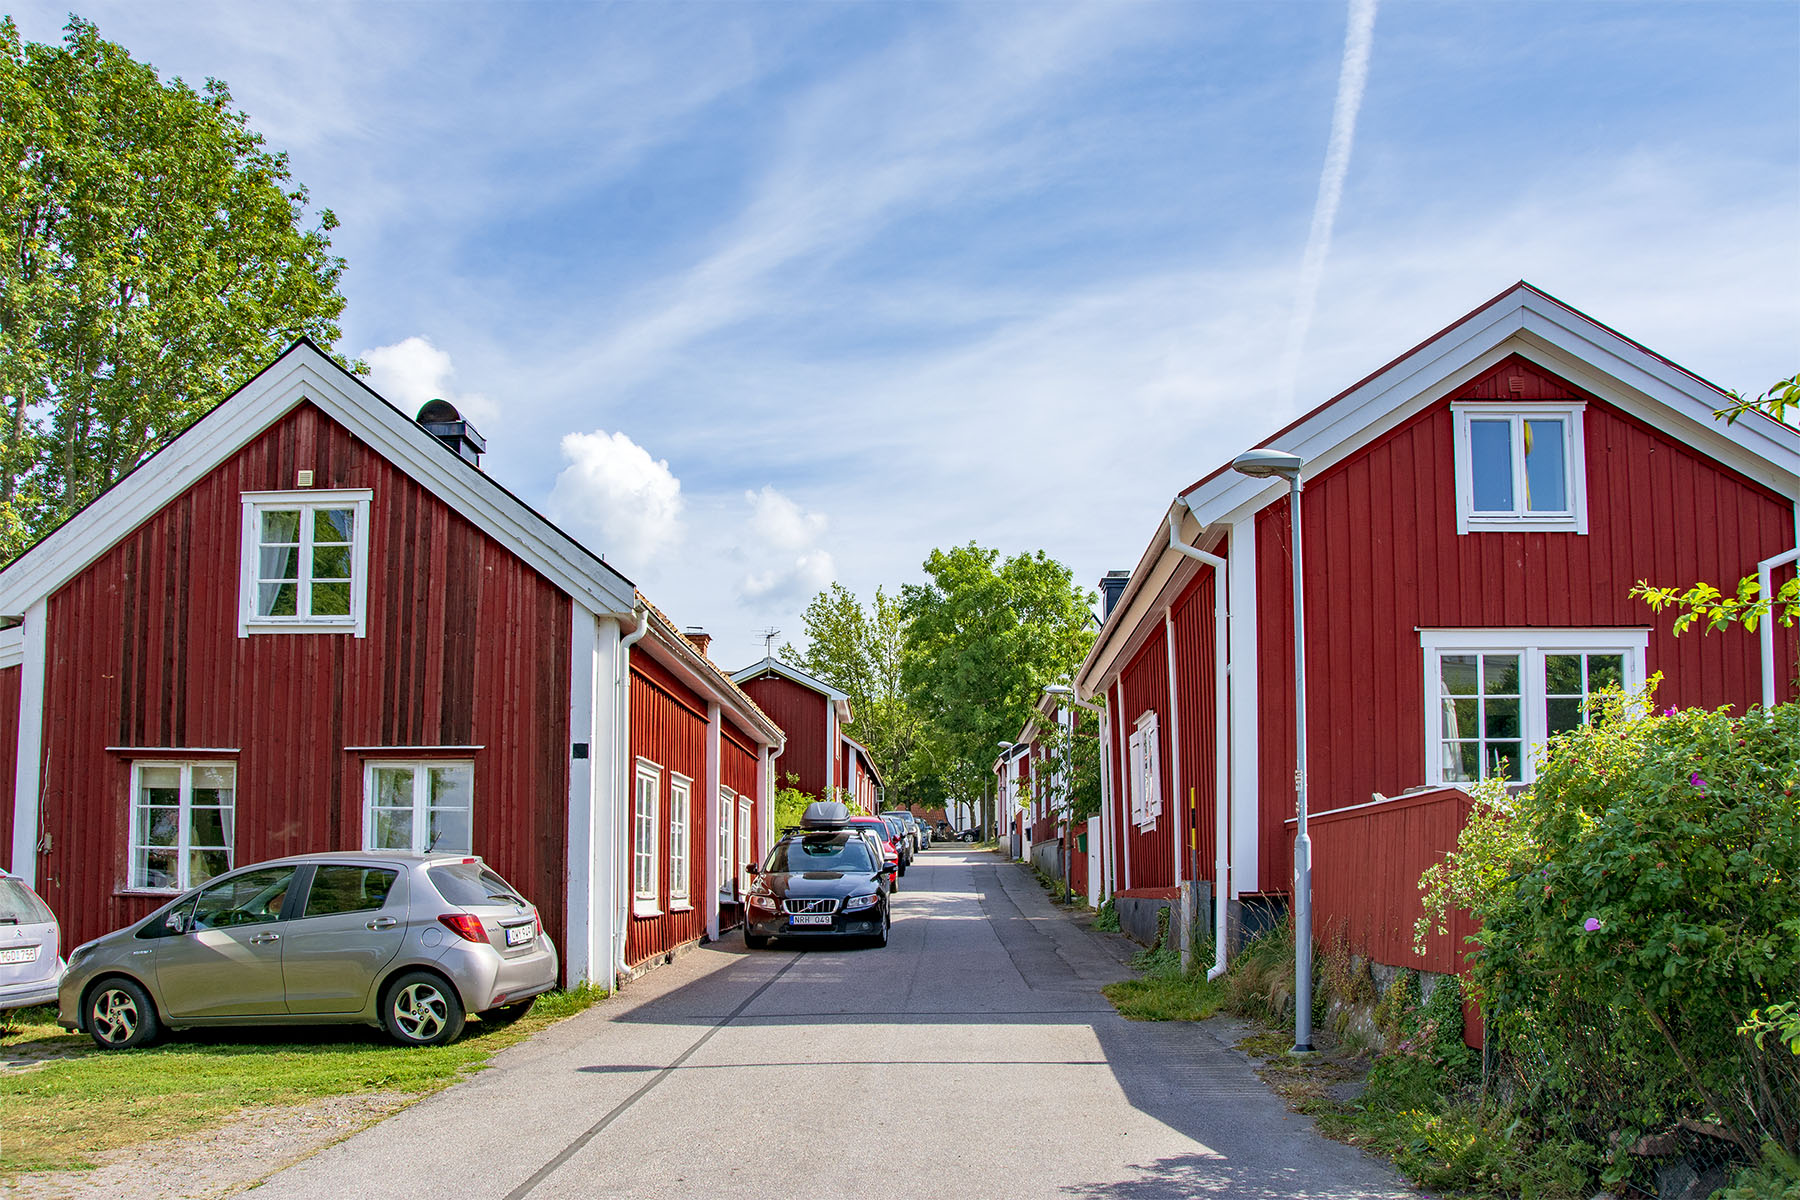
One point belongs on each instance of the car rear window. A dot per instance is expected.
(19, 905)
(471, 884)
(345, 889)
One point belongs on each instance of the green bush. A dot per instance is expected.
(1106, 917)
(1637, 913)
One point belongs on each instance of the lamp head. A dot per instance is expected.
(1058, 689)
(1264, 463)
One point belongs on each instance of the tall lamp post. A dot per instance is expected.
(1267, 464)
(1063, 691)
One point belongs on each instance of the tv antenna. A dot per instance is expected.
(768, 637)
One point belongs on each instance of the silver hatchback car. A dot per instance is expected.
(29, 944)
(410, 943)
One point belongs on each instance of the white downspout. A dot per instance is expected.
(622, 760)
(709, 878)
(1125, 770)
(1221, 737)
(1178, 802)
(1107, 883)
(1765, 571)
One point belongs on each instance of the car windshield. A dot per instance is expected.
(19, 905)
(472, 885)
(801, 855)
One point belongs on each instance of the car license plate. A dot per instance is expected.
(518, 935)
(810, 919)
(19, 954)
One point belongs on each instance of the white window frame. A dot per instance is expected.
(1146, 771)
(1572, 520)
(306, 499)
(743, 844)
(184, 818)
(681, 833)
(723, 839)
(646, 852)
(1531, 645)
(421, 822)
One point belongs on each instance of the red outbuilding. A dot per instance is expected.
(311, 622)
(821, 759)
(1474, 515)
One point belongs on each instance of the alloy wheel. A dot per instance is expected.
(115, 1015)
(420, 1011)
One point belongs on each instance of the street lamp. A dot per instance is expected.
(1266, 464)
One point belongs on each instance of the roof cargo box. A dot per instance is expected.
(825, 814)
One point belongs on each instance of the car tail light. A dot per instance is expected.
(464, 925)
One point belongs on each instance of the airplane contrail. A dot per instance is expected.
(1353, 76)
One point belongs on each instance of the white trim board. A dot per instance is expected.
(304, 374)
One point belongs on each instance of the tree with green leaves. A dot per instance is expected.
(985, 636)
(154, 254)
(857, 648)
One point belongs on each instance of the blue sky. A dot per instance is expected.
(756, 296)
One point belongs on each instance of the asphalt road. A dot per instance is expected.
(973, 1057)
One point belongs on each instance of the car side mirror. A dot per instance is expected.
(176, 922)
(753, 870)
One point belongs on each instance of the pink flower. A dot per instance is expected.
(1694, 780)
(1592, 924)
(1668, 712)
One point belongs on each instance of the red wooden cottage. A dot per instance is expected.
(1027, 781)
(1474, 516)
(311, 622)
(821, 759)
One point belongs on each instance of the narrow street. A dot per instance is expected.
(973, 1057)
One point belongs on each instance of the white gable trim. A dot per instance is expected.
(1542, 331)
(303, 374)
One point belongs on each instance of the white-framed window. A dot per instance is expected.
(181, 823)
(1146, 772)
(419, 806)
(304, 562)
(1494, 696)
(681, 812)
(1520, 468)
(644, 857)
(743, 843)
(722, 847)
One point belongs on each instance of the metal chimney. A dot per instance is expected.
(441, 420)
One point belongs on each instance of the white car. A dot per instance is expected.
(31, 967)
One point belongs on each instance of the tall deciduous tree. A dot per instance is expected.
(858, 647)
(985, 637)
(153, 255)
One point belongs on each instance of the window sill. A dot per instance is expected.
(153, 893)
(640, 909)
(680, 906)
(1521, 525)
(252, 628)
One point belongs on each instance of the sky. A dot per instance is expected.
(753, 297)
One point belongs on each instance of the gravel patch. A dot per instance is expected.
(221, 1161)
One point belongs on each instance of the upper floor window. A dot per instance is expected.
(305, 562)
(1520, 468)
(1493, 697)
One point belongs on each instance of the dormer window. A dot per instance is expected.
(1520, 468)
(304, 562)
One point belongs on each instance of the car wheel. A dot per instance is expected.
(421, 1010)
(756, 941)
(120, 1015)
(506, 1014)
(880, 939)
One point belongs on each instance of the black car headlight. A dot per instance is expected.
(858, 903)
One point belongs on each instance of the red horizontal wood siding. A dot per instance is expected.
(1366, 868)
(466, 645)
(1146, 684)
(1383, 559)
(669, 728)
(801, 713)
(9, 759)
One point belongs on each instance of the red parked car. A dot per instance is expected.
(890, 850)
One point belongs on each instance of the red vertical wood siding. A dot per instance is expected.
(737, 771)
(466, 645)
(10, 682)
(1195, 671)
(1366, 868)
(1383, 559)
(802, 715)
(1146, 682)
(669, 728)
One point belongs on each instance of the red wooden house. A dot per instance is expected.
(821, 759)
(311, 622)
(1474, 516)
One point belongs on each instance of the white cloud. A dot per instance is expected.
(625, 503)
(412, 371)
(792, 564)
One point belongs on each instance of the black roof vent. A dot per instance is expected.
(443, 422)
(1111, 588)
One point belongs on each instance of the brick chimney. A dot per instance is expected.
(699, 637)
